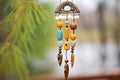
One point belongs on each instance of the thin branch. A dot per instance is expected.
(14, 23)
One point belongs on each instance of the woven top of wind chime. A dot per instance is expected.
(61, 8)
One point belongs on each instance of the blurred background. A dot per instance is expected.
(98, 40)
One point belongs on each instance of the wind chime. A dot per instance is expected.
(66, 14)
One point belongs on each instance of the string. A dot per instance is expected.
(66, 17)
(66, 54)
(73, 31)
(73, 18)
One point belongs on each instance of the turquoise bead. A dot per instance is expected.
(59, 35)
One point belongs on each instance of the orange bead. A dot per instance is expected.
(67, 45)
(59, 24)
(73, 26)
(66, 33)
(73, 36)
(72, 59)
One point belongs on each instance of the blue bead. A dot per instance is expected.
(59, 35)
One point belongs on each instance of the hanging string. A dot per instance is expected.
(66, 54)
(73, 31)
(73, 18)
(66, 17)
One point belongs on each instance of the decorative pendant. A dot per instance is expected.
(60, 57)
(67, 10)
(66, 69)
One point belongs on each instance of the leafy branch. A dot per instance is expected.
(21, 23)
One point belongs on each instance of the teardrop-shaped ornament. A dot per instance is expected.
(72, 59)
(60, 57)
(66, 71)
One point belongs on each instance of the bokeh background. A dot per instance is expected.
(98, 38)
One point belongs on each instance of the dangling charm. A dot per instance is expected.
(72, 59)
(60, 43)
(60, 57)
(72, 53)
(66, 69)
(73, 26)
(64, 13)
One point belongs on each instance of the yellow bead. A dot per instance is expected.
(73, 36)
(59, 24)
(66, 45)
(66, 33)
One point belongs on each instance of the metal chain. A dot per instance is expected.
(73, 17)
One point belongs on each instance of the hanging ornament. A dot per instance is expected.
(67, 11)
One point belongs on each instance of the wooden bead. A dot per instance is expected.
(66, 33)
(73, 26)
(72, 51)
(66, 71)
(59, 24)
(66, 61)
(60, 48)
(60, 51)
(73, 36)
(72, 59)
(66, 45)
(60, 58)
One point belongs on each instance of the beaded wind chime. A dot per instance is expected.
(67, 11)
